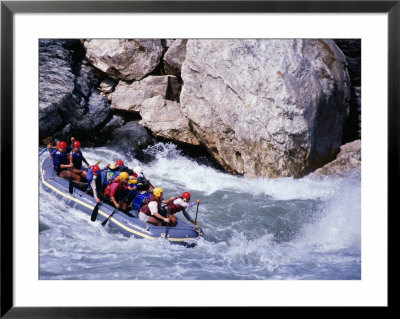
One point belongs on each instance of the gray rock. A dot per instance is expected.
(97, 113)
(348, 160)
(56, 84)
(124, 59)
(69, 103)
(107, 86)
(267, 108)
(165, 119)
(129, 97)
(132, 134)
(175, 56)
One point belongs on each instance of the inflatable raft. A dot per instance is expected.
(126, 223)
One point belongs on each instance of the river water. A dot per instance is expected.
(255, 229)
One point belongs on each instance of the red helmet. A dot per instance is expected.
(77, 144)
(186, 195)
(62, 145)
(95, 168)
(119, 163)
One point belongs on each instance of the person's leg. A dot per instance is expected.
(154, 221)
(67, 174)
(80, 173)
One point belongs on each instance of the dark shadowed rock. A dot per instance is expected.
(56, 84)
(69, 102)
(348, 160)
(133, 135)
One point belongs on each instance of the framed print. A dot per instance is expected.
(242, 118)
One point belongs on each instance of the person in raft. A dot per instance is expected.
(149, 213)
(179, 204)
(132, 190)
(96, 178)
(62, 162)
(117, 190)
(77, 159)
(112, 173)
(122, 168)
(143, 184)
(53, 147)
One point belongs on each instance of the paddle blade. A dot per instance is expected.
(105, 222)
(71, 187)
(94, 213)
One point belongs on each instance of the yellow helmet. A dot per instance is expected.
(123, 176)
(132, 181)
(157, 191)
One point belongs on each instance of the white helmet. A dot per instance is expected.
(138, 170)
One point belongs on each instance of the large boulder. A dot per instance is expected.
(348, 160)
(165, 119)
(130, 96)
(132, 134)
(269, 108)
(124, 59)
(175, 56)
(133, 139)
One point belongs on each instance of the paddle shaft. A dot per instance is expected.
(105, 221)
(71, 185)
(114, 211)
(167, 229)
(197, 209)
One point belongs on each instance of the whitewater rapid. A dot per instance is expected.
(255, 229)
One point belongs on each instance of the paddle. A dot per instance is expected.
(115, 210)
(195, 220)
(71, 185)
(106, 220)
(167, 229)
(97, 163)
(95, 212)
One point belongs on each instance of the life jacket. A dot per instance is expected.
(139, 201)
(77, 159)
(107, 191)
(58, 159)
(172, 208)
(145, 209)
(111, 174)
(99, 181)
(142, 184)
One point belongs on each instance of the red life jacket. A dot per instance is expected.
(172, 208)
(107, 191)
(145, 209)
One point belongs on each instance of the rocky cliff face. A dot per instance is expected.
(69, 103)
(260, 107)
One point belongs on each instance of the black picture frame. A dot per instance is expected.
(9, 8)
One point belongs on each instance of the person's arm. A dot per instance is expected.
(94, 188)
(67, 165)
(112, 194)
(167, 201)
(185, 210)
(72, 142)
(86, 162)
(153, 206)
